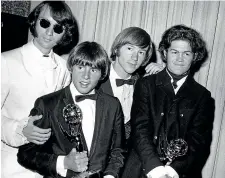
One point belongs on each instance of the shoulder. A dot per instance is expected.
(111, 100)
(60, 60)
(13, 54)
(146, 80)
(12, 59)
(52, 97)
(199, 89)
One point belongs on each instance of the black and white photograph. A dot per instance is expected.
(112, 89)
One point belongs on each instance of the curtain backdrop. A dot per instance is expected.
(101, 21)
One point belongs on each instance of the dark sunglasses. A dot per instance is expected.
(57, 28)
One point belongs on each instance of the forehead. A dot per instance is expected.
(46, 14)
(135, 46)
(180, 45)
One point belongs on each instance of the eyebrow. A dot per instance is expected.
(179, 51)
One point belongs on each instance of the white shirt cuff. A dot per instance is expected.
(157, 172)
(60, 166)
(19, 129)
(171, 172)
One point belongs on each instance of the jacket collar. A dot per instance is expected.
(163, 80)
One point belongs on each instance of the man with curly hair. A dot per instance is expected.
(172, 115)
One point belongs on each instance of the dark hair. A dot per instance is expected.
(182, 32)
(89, 54)
(134, 36)
(62, 14)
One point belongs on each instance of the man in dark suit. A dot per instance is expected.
(172, 115)
(131, 49)
(87, 130)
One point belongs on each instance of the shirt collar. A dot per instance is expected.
(179, 82)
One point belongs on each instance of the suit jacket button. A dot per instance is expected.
(155, 137)
(181, 115)
(162, 114)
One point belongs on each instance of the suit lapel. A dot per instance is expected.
(106, 86)
(187, 93)
(66, 99)
(98, 120)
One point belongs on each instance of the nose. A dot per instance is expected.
(86, 73)
(49, 31)
(135, 55)
(180, 57)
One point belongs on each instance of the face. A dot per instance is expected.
(46, 38)
(85, 78)
(129, 59)
(179, 57)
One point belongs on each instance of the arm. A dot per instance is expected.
(116, 158)
(39, 158)
(42, 158)
(199, 136)
(10, 133)
(142, 125)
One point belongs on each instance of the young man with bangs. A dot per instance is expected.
(131, 49)
(29, 72)
(86, 124)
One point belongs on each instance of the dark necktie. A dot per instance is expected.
(79, 98)
(120, 82)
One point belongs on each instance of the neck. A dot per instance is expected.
(120, 71)
(43, 50)
(177, 77)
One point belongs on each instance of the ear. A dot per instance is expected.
(195, 57)
(117, 52)
(164, 53)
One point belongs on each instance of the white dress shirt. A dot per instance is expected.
(87, 107)
(124, 93)
(179, 82)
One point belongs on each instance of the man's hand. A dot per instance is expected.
(35, 134)
(76, 161)
(153, 68)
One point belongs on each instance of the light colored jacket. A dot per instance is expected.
(23, 80)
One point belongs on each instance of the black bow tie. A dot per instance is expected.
(120, 82)
(79, 98)
(45, 55)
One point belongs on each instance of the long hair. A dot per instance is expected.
(62, 14)
(182, 32)
(134, 36)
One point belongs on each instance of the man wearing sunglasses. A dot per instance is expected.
(29, 72)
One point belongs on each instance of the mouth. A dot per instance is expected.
(47, 40)
(84, 84)
(132, 64)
